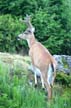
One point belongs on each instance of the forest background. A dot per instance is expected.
(51, 19)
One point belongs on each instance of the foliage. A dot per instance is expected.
(21, 7)
(10, 27)
(59, 35)
(16, 93)
(51, 18)
(63, 79)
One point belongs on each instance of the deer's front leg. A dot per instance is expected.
(37, 73)
(33, 69)
(48, 87)
(35, 80)
(42, 82)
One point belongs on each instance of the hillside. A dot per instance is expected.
(16, 91)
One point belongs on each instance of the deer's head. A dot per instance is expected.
(28, 33)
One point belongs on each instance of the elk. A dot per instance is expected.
(43, 63)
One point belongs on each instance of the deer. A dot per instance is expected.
(43, 64)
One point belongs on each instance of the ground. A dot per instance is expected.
(16, 92)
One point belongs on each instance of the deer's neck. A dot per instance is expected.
(31, 41)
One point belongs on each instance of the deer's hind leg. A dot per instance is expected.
(42, 82)
(48, 87)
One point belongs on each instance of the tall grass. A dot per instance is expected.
(15, 92)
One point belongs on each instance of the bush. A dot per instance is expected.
(10, 27)
(15, 91)
(50, 17)
(50, 32)
(63, 79)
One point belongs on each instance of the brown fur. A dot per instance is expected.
(40, 56)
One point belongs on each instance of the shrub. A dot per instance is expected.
(63, 79)
(10, 27)
(15, 91)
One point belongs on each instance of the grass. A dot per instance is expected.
(65, 63)
(15, 92)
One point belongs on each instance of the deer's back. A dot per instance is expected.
(40, 55)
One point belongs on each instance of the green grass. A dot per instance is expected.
(15, 92)
(65, 63)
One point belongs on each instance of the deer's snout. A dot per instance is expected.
(18, 38)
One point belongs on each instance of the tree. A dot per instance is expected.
(51, 18)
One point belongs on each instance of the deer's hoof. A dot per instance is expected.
(35, 85)
(46, 93)
(43, 89)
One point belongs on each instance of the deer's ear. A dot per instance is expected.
(21, 20)
(28, 16)
(33, 29)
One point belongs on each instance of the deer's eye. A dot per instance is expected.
(29, 31)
